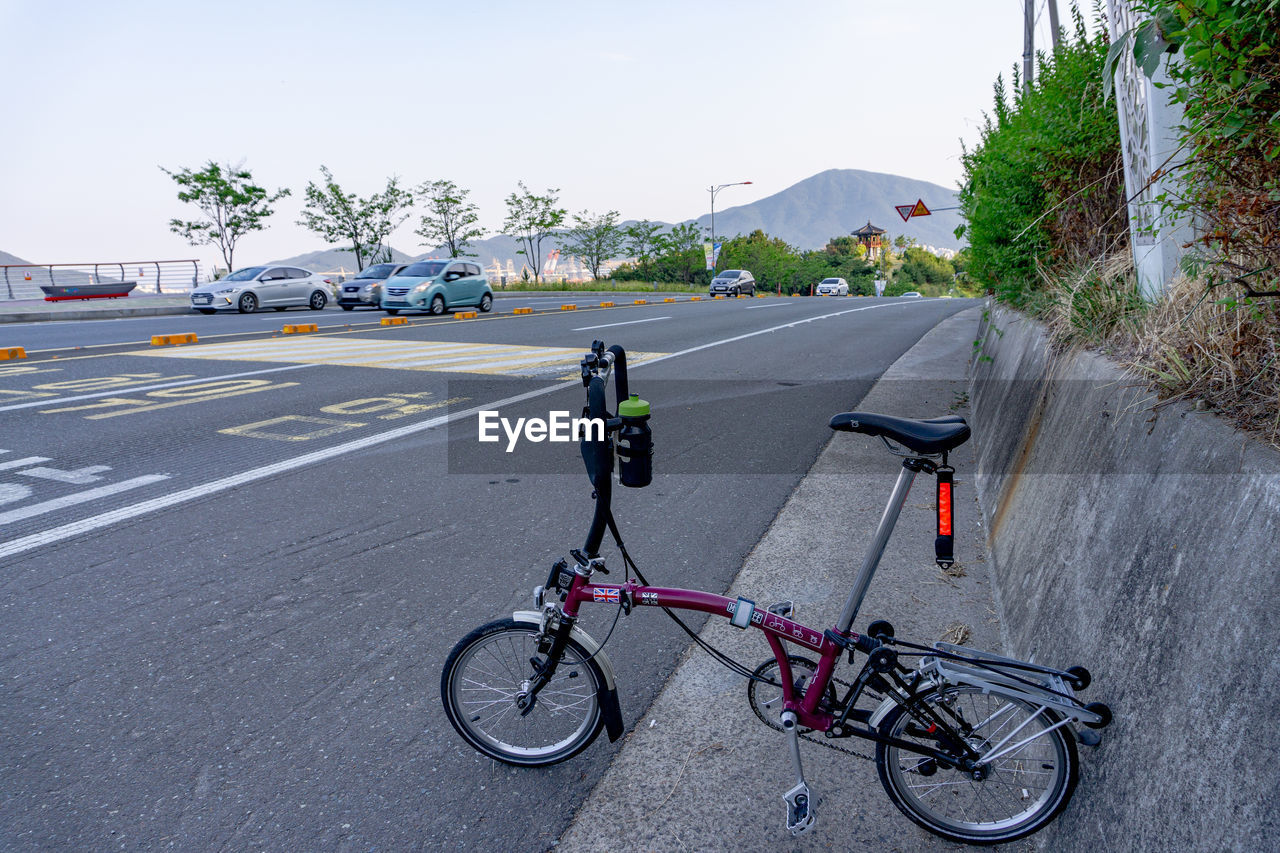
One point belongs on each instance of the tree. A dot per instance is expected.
(532, 219)
(594, 239)
(642, 241)
(770, 260)
(682, 246)
(365, 222)
(450, 220)
(231, 202)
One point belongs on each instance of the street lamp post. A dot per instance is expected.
(713, 190)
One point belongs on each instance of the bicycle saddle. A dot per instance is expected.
(928, 436)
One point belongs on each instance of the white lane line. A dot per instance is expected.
(20, 463)
(743, 337)
(96, 522)
(133, 389)
(770, 305)
(78, 498)
(628, 323)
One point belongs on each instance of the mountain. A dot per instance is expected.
(806, 215)
(6, 259)
(328, 260)
(840, 201)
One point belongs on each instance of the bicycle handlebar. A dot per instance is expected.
(598, 454)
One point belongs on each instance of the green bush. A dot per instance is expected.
(1044, 185)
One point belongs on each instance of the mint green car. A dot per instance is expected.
(436, 286)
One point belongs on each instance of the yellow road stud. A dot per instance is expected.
(522, 311)
(299, 328)
(568, 307)
(642, 302)
(394, 321)
(7, 353)
(606, 304)
(669, 299)
(171, 340)
(465, 315)
(695, 298)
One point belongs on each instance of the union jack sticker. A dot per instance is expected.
(605, 594)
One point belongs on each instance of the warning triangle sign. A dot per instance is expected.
(920, 209)
(904, 210)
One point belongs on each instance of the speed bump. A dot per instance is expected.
(299, 328)
(522, 311)
(172, 340)
(465, 315)
(568, 307)
(394, 321)
(606, 304)
(12, 352)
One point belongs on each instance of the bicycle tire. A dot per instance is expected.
(481, 678)
(1026, 788)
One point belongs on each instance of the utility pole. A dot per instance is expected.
(1053, 23)
(1028, 42)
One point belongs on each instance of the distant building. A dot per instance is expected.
(870, 237)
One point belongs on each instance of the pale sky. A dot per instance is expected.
(636, 107)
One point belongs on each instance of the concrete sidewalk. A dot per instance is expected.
(150, 305)
(700, 771)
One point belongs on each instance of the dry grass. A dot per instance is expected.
(1225, 352)
(1221, 352)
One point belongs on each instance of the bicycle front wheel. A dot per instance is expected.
(489, 669)
(1015, 794)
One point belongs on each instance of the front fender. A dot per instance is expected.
(609, 705)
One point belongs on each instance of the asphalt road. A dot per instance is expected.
(230, 572)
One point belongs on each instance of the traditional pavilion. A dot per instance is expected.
(869, 236)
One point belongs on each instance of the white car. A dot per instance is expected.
(911, 294)
(833, 287)
(246, 290)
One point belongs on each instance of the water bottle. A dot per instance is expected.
(635, 443)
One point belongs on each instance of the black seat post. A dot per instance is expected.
(875, 550)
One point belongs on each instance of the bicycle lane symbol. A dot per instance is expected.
(26, 477)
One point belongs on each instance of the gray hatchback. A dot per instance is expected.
(733, 283)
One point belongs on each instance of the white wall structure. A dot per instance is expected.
(1148, 122)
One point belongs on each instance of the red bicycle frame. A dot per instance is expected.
(777, 630)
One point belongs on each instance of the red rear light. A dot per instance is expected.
(944, 509)
(327, 281)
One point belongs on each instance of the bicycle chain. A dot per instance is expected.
(828, 742)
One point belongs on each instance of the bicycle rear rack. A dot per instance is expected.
(982, 670)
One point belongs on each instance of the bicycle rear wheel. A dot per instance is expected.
(486, 672)
(1019, 792)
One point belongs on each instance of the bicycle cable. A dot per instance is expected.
(717, 655)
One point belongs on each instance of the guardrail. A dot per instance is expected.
(23, 281)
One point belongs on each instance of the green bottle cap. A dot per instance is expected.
(633, 408)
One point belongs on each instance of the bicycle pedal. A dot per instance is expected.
(800, 815)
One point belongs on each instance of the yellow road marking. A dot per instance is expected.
(450, 357)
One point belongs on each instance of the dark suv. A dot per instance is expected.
(732, 283)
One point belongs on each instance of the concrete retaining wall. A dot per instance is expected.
(1142, 544)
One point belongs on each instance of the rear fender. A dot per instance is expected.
(609, 705)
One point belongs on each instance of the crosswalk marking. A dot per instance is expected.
(445, 356)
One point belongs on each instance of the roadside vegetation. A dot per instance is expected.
(1047, 220)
